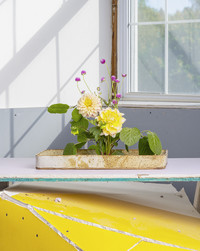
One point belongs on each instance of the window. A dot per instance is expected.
(160, 50)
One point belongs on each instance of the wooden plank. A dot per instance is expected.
(114, 41)
(23, 169)
(197, 197)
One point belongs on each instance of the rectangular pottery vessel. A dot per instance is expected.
(87, 159)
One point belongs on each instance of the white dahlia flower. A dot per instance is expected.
(89, 105)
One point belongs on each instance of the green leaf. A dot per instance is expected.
(82, 137)
(130, 136)
(96, 131)
(93, 122)
(92, 147)
(74, 130)
(83, 123)
(126, 147)
(95, 147)
(70, 149)
(115, 144)
(154, 143)
(58, 108)
(117, 152)
(143, 147)
(77, 127)
(76, 116)
(80, 145)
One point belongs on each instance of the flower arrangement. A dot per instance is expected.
(106, 122)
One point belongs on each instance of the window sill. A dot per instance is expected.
(154, 104)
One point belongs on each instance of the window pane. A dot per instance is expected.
(151, 58)
(183, 9)
(184, 58)
(151, 10)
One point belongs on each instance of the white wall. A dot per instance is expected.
(44, 44)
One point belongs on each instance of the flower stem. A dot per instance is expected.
(78, 88)
(108, 89)
(86, 84)
(121, 85)
(108, 146)
(108, 70)
(72, 107)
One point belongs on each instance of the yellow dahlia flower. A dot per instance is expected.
(110, 121)
(89, 105)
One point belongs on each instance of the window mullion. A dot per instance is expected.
(136, 46)
(166, 48)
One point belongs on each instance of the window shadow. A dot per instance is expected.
(33, 47)
(38, 42)
(14, 145)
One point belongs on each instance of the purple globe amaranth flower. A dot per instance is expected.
(82, 92)
(113, 78)
(103, 79)
(102, 61)
(117, 81)
(124, 75)
(118, 95)
(83, 72)
(114, 102)
(77, 79)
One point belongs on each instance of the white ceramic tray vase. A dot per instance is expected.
(87, 159)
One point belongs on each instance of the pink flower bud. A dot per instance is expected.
(114, 102)
(83, 72)
(113, 78)
(118, 95)
(102, 61)
(103, 79)
(82, 92)
(124, 75)
(77, 79)
(117, 81)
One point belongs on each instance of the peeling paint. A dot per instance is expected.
(134, 245)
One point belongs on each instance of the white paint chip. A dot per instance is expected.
(58, 200)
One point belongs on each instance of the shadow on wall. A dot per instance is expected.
(35, 129)
(24, 57)
(30, 130)
(38, 42)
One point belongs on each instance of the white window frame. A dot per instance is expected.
(138, 99)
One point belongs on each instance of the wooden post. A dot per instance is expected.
(114, 41)
(3, 185)
(197, 197)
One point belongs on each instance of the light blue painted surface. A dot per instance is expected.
(98, 179)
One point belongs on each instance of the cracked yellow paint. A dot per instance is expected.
(90, 238)
(138, 220)
(145, 246)
(20, 230)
